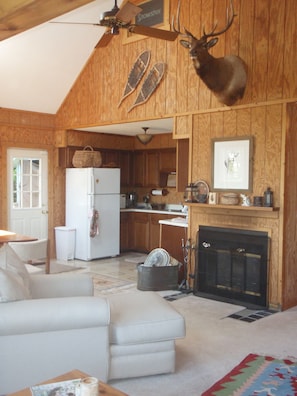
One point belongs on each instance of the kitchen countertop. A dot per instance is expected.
(176, 222)
(144, 210)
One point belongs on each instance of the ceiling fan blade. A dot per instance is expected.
(153, 32)
(105, 40)
(128, 12)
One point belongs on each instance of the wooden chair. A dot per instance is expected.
(33, 252)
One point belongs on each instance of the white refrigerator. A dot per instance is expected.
(93, 209)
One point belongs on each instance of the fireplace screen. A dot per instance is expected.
(231, 265)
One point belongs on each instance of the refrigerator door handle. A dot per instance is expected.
(91, 202)
(92, 186)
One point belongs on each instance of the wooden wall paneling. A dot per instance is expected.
(289, 296)
(217, 125)
(219, 50)
(230, 123)
(108, 85)
(290, 77)
(275, 50)
(244, 127)
(201, 148)
(273, 165)
(258, 125)
(205, 95)
(182, 127)
(159, 97)
(172, 56)
(232, 41)
(170, 102)
(193, 83)
(246, 42)
(95, 105)
(183, 63)
(260, 62)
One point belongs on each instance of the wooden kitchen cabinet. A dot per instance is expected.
(182, 164)
(125, 232)
(171, 240)
(152, 171)
(141, 231)
(168, 160)
(140, 227)
(146, 168)
(139, 168)
(155, 229)
(149, 164)
(125, 164)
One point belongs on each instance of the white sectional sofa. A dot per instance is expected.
(61, 326)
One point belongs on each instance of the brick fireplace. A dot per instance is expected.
(232, 265)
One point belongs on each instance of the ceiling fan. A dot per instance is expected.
(121, 18)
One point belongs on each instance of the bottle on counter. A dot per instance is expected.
(268, 198)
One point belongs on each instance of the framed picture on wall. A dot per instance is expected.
(232, 164)
(155, 13)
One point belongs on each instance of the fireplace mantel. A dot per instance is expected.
(251, 211)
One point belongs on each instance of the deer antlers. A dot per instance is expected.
(205, 35)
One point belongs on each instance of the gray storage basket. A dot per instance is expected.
(157, 278)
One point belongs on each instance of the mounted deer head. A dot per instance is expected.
(225, 77)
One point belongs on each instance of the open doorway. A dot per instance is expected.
(28, 192)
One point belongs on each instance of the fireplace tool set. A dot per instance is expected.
(187, 248)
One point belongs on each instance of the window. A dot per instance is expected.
(26, 183)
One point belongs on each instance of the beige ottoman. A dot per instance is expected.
(143, 329)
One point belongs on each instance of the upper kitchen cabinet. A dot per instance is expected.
(168, 160)
(125, 164)
(146, 168)
(150, 164)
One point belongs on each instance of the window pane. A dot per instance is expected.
(26, 183)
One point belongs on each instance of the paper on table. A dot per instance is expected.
(64, 388)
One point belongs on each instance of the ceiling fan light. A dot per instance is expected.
(144, 138)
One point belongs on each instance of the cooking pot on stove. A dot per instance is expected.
(131, 200)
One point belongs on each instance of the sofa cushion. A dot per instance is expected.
(143, 317)
(12, 287)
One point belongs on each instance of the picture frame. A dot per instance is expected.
(232, 164)
(155, 14)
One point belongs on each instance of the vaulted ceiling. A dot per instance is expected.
(40, 60)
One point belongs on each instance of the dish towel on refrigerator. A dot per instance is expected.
(94, 228)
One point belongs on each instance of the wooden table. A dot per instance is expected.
(7, 236)
(104, 389)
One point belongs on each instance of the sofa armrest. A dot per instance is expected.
(62, 285)
(53, 314)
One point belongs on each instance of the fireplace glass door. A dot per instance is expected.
(232, 265)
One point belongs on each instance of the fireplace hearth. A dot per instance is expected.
(231, 265)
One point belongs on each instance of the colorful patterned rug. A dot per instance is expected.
(258, 375)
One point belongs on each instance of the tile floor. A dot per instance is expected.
(122, 267)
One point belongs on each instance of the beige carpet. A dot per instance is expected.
(104, 284)
(214, 344)
(57, 268)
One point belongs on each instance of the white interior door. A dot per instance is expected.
(28, 192)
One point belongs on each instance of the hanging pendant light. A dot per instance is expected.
(144, 138)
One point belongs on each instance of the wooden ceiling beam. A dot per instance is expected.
(16, 16)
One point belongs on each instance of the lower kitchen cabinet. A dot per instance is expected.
(140, 232)
(155, 229)
(124, 232)
(171, 240)
(140, 227)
